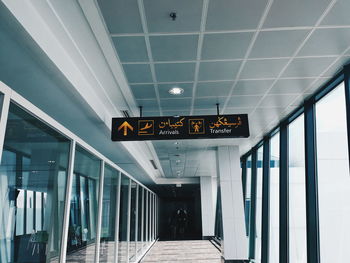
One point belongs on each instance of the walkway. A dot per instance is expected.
(199, 251)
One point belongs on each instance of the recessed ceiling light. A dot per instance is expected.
(176, 91)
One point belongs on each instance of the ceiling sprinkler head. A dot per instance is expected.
(173, 16)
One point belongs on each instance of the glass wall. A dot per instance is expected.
(274, 198)
(259, 186)
(145, 218)
(33, 176)
(297, 194)
(35, 217)
(247, 193)
(333, 176)
(123, 219)
(139, 221)
(84, 206)
(133, 219)
(109, 204)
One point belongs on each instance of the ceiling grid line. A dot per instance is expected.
(250, 47)
(149, 52)
(323, 15)
(199, 50)
(224, 60)
(223, 80)
(272, 29)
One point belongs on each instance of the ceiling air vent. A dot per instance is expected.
(154, 164)
(125, 113)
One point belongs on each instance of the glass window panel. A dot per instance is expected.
(274, 198)
(297, 194)
(145, 219)
(139, 222)
(20, 212)
(149, 217)
(38, 210)
(123, 219)
(247, 193)
(84, 206)
(109, 203)
(32, 157)
(30, 212)
(132, 245)
(333, 177)
(259, 204)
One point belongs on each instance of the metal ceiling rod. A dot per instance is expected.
(217, 109)
(140, 111)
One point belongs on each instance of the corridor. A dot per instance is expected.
(199, 251)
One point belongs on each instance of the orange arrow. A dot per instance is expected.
(125, 126)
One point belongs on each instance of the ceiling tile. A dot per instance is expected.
(175, 48)
(339, 14)
(148, 104)
(238, 110)
(121, 16)
(138, 73)
(205, 89)
(180, 112)
(150, 113)
(286, 13)
(243, 101)
(271, 101)
(267, 68)
(143, 91)
(307, 67)
(175, 104)
(234, 15)
(291, 86)
(225, 46)
(277, 43)
(317, 85)
(263, 116)
(164, 90)
(336, 67)
(327, 42)
(175, 72)
(204, 111)
(252, 87)
(131, 49)
(224, 70)
(189, 15)
(207, 103)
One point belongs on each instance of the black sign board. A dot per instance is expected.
(182, 127)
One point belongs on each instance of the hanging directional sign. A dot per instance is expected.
(182, 127)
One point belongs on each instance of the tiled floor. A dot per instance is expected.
(199, 251)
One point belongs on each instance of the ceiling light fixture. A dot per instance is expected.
(176, 91)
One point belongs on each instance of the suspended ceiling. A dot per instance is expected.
(257, 57)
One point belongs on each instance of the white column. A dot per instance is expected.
(235, 242)
(208, 185)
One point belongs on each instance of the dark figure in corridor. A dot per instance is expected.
(179, 223)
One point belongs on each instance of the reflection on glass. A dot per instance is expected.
(333, 177)
(84, 206)
(247, 193)
(123, 219)
(109, 204)
(33, 176)
(274, 198)
(259, 204)
(133, 219)
(297, 195)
